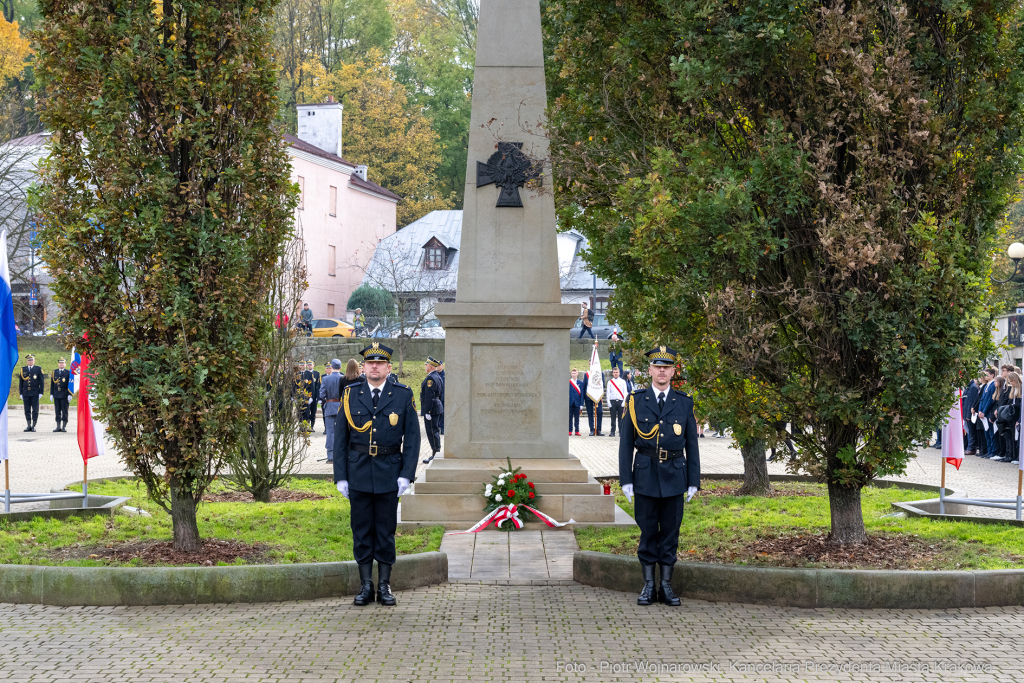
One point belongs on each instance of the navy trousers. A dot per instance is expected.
(659, 520)
(374, 520)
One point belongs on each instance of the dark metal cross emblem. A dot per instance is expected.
(509, 169)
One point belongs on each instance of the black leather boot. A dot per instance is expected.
(384, 595)
(666, 595)
(647, 593)
(365, 595)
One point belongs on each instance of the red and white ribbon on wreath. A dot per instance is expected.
(507, 513)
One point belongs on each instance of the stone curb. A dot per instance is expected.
(813, 588)
(133, 586)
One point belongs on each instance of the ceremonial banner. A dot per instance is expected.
(90, 430)
(8, 341)
(953, 433)
(75, 368)
(595, 383)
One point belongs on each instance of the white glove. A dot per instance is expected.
(690, 493)
(40, 395)
(627, 491)
(403, 485)
(311, 400)
(426, 417)
(343, 488)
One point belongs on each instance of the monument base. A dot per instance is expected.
(451, 490)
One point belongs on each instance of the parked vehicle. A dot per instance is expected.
(332, 327)
(431, 329)
(602, 328)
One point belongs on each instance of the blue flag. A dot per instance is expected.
(8, 341)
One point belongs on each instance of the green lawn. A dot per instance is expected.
(721, 528)
(306, 531)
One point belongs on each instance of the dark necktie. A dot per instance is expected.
(376, 395)
(661, 402)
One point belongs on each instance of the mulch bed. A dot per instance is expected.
(276, 496)
(778, 489)
(162, 552)
(880, 552)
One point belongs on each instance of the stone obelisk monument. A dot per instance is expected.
(507, 339)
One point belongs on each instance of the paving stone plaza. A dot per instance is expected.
(485, 625)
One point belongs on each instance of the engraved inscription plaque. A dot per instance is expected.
(506, 393)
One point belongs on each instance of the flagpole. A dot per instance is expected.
(1020, 480)
(7, 488)
(942, 490)
(85, 483)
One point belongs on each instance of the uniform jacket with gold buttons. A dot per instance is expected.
(31, 381)
(59, 383)
(392, 423)
(676, 431)
(431, 391)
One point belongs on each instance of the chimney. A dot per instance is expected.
(360, 171)
(320, 125)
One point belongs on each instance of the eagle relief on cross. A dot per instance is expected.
(509, 169)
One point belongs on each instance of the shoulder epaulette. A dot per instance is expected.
(403, 386)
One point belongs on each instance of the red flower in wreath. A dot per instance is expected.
(511, 494)
(531, 494)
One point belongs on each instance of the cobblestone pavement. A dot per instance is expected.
(467, 632)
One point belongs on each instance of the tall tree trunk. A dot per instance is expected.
(183, 519)
(755, 470)
(844, 504)
(262, 495)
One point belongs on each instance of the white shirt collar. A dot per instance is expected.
(379, 387)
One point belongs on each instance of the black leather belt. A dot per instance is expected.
(660, 453)
(374, 450)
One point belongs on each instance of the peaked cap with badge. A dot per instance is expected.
(376, 351)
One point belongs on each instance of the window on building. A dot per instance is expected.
(302, 192)
(435, 258)
(601, 305)
(333, 201)
(331, 259)
(410, 309)
(330, 307)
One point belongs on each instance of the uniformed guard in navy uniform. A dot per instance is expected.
(311, 380)
(659, 462)
(60, 392)
(30, 388)
(376, 446)
(432, 405)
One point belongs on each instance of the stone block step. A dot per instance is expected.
(469, 507)
(560, 470)
(591, 488)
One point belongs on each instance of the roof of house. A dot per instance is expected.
(33, 140)
(408, 243)
(354, 180)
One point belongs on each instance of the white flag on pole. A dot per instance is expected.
(595, 383)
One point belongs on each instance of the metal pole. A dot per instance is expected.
(1020, 479)
(7, 488)
(85, 483)
(942, 490)
(593, 305)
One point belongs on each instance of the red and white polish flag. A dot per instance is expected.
(90, 430)
(953, 433)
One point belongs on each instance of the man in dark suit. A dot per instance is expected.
(30, 388)
(970, 397)
(376, 446)
(313, 386)
(659, 460)
(440, 420)
(575, 401)
(594, 408)
(432, 406)
(61, 394)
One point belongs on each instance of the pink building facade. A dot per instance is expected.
(341, 215)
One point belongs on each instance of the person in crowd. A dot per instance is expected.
(359, 323)
(984, 410)
(969, 398)
(615, 352)
(60, 393)
(1009, 417)
(575, 402)
(281, 323)
(591, 406)
(628, 376)
(659, 462)
(377, 443)
(330, 393)
(617, 393)
(1000, 398)
(313, 388)
(30, 388)
(974, 411)
(431, 405)
(1005, 369)
(440, 418)
(586, 321)
(780, 428)
(306, 319)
